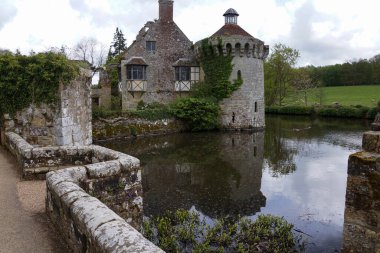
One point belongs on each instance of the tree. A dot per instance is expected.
(303, 83)
(118, 44)
(90, 50)
(278, 72)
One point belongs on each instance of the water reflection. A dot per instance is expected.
(297, 168)
(218, 174)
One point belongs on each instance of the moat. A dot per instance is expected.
(297, 169)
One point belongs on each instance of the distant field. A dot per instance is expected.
(344, 95)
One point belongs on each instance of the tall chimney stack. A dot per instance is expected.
(166, 11)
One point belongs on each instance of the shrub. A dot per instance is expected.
(295, 110)
(344, 112)
(371, 114)
(199, 113)
(32, 79)
(153, 111)
(101, 112)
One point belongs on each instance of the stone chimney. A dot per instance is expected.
(166, 11)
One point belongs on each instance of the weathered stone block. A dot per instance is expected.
(103, 169)
(118, 236)
(128, 163)
(371, 141)
(63, 188)
(90, 213)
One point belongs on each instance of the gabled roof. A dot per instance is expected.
(136, 61)
(231, 29)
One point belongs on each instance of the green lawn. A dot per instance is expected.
(344, 95)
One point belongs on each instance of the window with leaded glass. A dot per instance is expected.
(151, 46)
(182, 73)
(136, 72)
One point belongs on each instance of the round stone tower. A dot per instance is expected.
(245, 109)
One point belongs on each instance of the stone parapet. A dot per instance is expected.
(87, 224)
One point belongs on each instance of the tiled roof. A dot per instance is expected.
(136, 61)
(231, 29)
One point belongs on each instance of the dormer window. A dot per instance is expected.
(151, 46)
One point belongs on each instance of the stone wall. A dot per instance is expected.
(122, 127)
(362, 213)
(86, 223)
(66, 123)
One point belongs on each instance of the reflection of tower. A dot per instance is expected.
(219, 174)
(245, 107)
(245, 152)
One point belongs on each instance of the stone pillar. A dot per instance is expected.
(361, 231)
(68, 122)
(73, 122)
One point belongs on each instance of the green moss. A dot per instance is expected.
(368, 158)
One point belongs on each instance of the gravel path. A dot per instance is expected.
(24, 226)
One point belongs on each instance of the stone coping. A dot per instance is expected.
(36, 162)
(86, 223)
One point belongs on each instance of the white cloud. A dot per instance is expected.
(324, 31)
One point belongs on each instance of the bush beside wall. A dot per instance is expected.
(360, 112)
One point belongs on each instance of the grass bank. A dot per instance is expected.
(367, 95)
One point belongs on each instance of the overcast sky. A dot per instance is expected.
(324, 31)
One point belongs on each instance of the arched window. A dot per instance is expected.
(229, 48)
(237, 48)
(246, 49)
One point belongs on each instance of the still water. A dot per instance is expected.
(296, 168)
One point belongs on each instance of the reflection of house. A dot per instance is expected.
(161, 65)
(101, 91)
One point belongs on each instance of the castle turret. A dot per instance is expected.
(244, 109)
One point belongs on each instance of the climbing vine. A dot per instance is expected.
(202, 111)
(217, 69)
(32, 79)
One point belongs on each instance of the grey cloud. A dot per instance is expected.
(314, 49)
(7, 12)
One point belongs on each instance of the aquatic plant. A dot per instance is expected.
(184, 231)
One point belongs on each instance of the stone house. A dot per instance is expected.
(162, 65)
